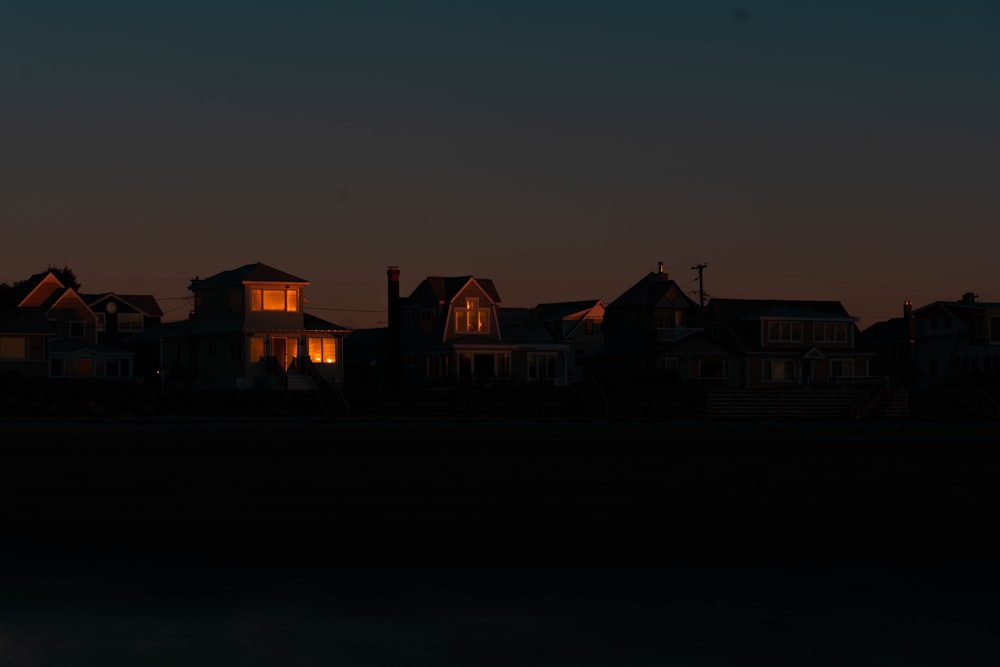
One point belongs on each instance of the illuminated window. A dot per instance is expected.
(784, 332)
(472, 319)
(286, 300)
(323, 350)
(13, 347)
(256, 348)
(779, 371)
(830, 332)
(129, 321)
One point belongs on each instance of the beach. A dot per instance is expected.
(491, 542)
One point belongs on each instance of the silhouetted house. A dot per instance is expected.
(893, 347)
(121, 321)
(248, 330)
(48, 330)
(448, 331)
(554, 341)
(642, 326)
(453, 330)
(956, 338)
(785, 343)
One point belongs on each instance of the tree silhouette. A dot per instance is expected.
(66, 276)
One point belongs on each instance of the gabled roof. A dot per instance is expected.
(32, 292)
(248, 273)
(655, 290)
(447, 288)
(758, 309)
(144, 303)
(565, 310)
(957, 308)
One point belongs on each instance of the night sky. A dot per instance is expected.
(831, 150)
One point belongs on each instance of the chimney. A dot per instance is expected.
(393, 294)
(659, 268)
(969, 297)
(907, 308)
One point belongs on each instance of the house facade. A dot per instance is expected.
(121, 321)
(454, 330)
(642, 327)
(446, 331)
(47, 329)
(248, 330)
(782, 344)
(956, 339)
(555, 341)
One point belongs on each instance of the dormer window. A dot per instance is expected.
(472, 318)
(285, 300)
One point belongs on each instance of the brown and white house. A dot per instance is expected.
(47, 329)
(248, 329)
(785, 343)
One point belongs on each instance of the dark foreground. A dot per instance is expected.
(304, 542)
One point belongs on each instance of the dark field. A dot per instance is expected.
(304, 542)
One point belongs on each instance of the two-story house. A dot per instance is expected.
(642, 326)
(956, 338)
(121, 321)
(555, 341)
(248, 329)
(786, 343)
(47, 329)
(446, 331)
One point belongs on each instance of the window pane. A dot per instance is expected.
(256, 348)
(292, 299)
(13, 347)
(274, 299)
(129, 321)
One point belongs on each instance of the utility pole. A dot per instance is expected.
(700, 268)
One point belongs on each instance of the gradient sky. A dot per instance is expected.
(832, 150)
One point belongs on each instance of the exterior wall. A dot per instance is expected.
(70, 308)
(220, 308)
(473, 290)
(32, 368)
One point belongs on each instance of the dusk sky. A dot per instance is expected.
(839, 150)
